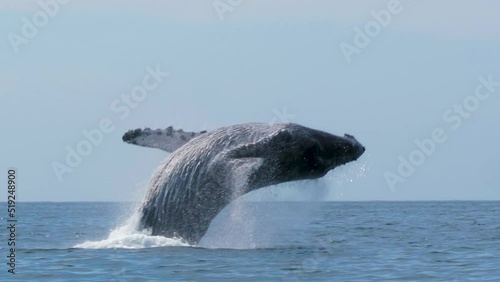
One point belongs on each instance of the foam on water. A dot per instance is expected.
(128, 236)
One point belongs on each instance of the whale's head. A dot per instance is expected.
(294, 152)
(310, 153)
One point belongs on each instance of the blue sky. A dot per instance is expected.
(259, 59)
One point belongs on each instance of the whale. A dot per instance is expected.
(206, 171)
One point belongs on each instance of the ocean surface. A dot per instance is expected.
(262, 241)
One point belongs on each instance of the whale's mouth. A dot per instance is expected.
(357, 147)
(362, 149)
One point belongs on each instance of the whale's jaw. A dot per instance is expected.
(358, 149)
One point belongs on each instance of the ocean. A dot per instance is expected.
(261, 241)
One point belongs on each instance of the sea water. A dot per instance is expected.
(261, 241)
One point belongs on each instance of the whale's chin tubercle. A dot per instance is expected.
(207, 170)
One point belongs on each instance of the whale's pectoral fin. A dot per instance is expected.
(167, 139)
(242, 172)
(262, 147)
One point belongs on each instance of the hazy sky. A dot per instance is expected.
(65, 67)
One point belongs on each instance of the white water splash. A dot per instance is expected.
(234, 228)
(128, 237)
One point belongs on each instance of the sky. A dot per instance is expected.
(416, 82)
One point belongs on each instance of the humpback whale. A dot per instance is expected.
(208, 170)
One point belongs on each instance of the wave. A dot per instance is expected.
(128, 236)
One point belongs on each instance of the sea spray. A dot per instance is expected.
(129, 236)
